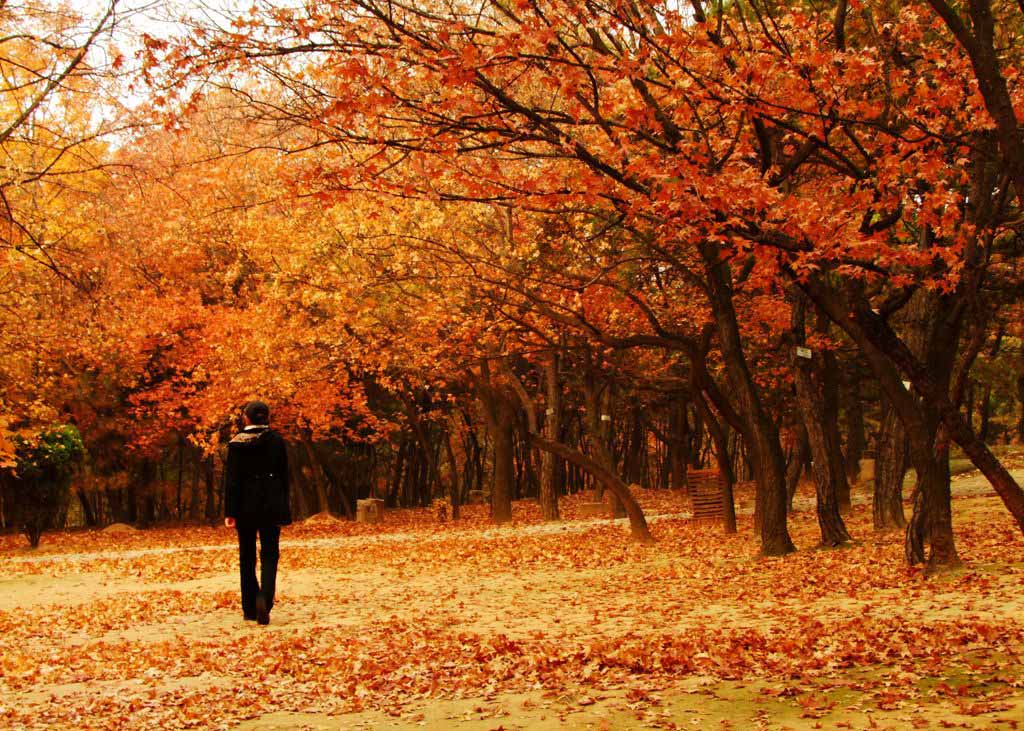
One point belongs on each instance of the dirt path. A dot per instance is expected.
(540, 627)
(695, 703)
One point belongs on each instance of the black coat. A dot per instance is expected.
(256, 486)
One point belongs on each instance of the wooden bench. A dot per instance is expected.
(706, 495)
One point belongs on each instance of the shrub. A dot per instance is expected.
(41, 482)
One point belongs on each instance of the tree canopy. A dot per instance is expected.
(537, 245)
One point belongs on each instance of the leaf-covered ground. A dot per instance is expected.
(414, 624)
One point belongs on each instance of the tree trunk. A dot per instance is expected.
(969, 402)
(454, 489)
(637, 522)
(500, 417)
(854, 414)
(423, 437)
(678, 444)
(33, 531)
(830, 522)
(932, 335)
(890, 471)
(1020, 400)
(131, 506)
(696, 447)
(322, 457)
(391, 498)
(147, 476)
(598, 426)
(927, 357)
(181, 475)
(552, 428)
(676, 441)
(986, 410)
(827, 373)
(193, 505)
(88, 514)
(148, 516)
(799, 456)
(316, 476)
(931, 523)
(762, 435)
(210, 480)
(504, 468)
(633, 465)
(816, 410)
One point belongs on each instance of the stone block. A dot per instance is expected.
(370, 510)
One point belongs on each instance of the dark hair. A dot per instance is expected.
(257, 412)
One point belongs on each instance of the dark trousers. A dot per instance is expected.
(270, 536)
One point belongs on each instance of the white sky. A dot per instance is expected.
(158, 18)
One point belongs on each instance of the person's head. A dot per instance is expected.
(256, 412)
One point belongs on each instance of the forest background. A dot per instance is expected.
(522, 249)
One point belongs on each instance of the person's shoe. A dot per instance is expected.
(249, 617)
(262, 613)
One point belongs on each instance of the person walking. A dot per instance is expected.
(256, 502)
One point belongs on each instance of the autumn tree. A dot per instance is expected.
(428, 222)
(53, 155)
